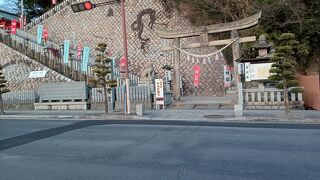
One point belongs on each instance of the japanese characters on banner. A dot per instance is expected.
(85, 59)
(159, 92)
(45, 33)
(13, 26)
(123, 64)
(227, 71)
(79, 50)
(66, 48)
(196, 77)
(39, 33)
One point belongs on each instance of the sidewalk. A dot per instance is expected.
(263, 116)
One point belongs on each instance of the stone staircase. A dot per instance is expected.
(204, 102)
(51, 56)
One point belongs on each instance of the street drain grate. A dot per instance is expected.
(216, 116)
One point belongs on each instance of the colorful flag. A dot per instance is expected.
(66, 48)
(39, 34)
(85, 59)
(13, 26)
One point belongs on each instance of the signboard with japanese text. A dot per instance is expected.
(159, 92)
(196, 76)
(257, 71)
(227, 71)
(13, 26)
(38, 74)
(159, 89)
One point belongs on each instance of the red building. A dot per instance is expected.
(5, 19)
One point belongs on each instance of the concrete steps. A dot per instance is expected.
(204, 102)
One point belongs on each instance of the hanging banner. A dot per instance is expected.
(45, 33)
(13, 26)
(85, 59)
(39, 34)
(123, 63)
(66, 48)
(196, 77)
(25, 21)
(79, 50)
(227, 76)
(20, 22)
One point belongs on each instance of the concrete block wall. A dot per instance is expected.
(95, 26)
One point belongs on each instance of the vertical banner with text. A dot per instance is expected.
(13, 26)
(45, 33)
(66, 48)
(196, 77)
(79, 50)
(85, 59)
(39, 33)
(227, 76)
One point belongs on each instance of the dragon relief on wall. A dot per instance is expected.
(139, 26)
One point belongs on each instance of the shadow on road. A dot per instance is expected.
(35, 136)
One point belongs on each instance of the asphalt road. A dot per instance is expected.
(163, 150)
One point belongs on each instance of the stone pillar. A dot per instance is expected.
(238, 107)
(176, 82)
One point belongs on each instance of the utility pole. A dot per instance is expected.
(87, 5)
(125, 48)
(22, 15)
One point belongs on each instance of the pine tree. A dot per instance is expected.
(3, 90)
(102, 72)
(283, 69)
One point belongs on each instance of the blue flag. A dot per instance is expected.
(39, 34)
(85, 59)
(66, 48)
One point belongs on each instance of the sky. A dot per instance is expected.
(5, 5)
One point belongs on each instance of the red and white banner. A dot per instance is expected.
(21, 23)
(123, 63)
(45, 33)
(197, 74)
(79, 51)
(13, 26)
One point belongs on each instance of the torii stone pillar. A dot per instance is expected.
(176, 81)
(238, 106)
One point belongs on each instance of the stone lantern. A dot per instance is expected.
(264, 48)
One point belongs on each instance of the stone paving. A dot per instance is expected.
(298, 116)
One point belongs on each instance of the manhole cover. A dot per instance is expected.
(215, 116)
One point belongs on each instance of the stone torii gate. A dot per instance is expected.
(202, 32)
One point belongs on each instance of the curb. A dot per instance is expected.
(132, 117)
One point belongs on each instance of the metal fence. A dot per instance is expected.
(137, 93)
(20, 97)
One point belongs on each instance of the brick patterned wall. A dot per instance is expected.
(94, 26)
(17, 67)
